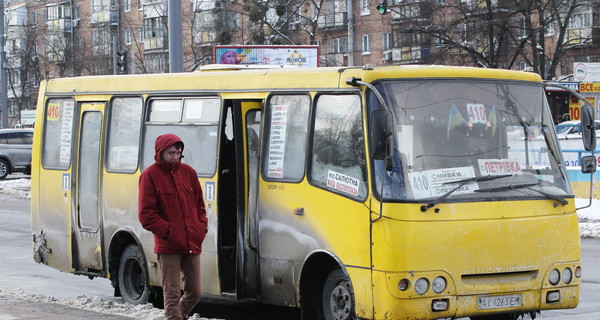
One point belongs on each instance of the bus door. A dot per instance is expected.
(54, 241)
(88, 166)
(237, 210)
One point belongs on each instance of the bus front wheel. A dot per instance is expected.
(133, 276)
(338, 297)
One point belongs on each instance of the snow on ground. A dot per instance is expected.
(96, 304)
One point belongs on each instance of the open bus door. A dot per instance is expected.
(87, 230)
(237, 210)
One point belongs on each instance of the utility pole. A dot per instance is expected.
(175, 35)
(3, 97)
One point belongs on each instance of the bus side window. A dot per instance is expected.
(286, 128)
(124, 134)
(338, 152)
(58, 127)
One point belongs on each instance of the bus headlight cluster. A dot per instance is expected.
(566, 275)
(438, 285)
(554, 277)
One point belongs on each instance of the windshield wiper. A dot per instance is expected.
(527, 186)
(461, 184)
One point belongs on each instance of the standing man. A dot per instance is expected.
(171, 206)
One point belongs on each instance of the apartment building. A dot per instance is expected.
(62, 38)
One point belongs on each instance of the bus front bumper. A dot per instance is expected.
(433, 306)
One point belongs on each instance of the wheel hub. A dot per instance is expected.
(340, 301)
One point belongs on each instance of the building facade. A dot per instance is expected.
(63, 38)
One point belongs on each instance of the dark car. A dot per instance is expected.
(15, 151)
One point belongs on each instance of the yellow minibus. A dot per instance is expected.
(405, 192)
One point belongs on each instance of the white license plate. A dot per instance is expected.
(499, 302)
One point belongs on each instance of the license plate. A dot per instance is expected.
(499, 302)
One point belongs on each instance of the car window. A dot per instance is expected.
(27, 137)
(13, 138)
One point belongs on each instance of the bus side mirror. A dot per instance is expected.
(380, 134)
(588, 164)
(588, 128)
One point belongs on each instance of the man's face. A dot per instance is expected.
(171, 154)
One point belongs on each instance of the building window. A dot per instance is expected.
(154, 28)
(364, 7)
(385, 41)
(340, 45)
(127, 5)
(366, 44)
(127, 36)
(100, 5)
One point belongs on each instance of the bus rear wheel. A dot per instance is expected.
(133, 276)
(338, 297)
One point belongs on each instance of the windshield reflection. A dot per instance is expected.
(449, 131)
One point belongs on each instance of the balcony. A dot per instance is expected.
(156, 43)
(419, 11)
(411, 54)
(338, 20)
(60, 25)
(108, 15)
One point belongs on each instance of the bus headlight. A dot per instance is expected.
(554, 277)
(567, 275)
(421, 286)
(438, 285)
(578, 272)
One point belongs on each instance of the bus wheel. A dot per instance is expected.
(338, 297)
(133, 276)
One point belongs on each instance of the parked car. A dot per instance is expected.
(572, 129)
(15, 151)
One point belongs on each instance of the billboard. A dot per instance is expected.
(586, 71)
(299, 56)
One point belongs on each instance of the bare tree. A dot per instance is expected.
(492, 33)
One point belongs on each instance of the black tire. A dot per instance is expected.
(4, 168)
(507, 316)
(337, 300)
(133, 276)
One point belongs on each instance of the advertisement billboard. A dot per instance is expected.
(299, 56)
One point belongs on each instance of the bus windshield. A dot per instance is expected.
(469, 140)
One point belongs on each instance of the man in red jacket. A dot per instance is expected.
(171, 206)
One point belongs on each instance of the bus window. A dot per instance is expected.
(199, 136)
(58, 126)
(286, 128)
(338, 154)
(124, 134)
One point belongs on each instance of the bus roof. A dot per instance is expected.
(259, 79)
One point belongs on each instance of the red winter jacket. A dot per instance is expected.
(171, 204)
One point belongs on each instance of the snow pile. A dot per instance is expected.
(111, 307)
(18, 188)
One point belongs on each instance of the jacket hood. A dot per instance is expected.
(163, 142)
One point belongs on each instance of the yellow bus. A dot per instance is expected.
(407, 192)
